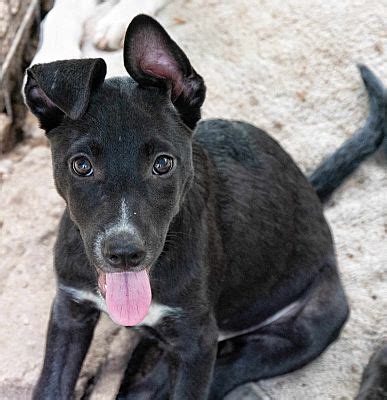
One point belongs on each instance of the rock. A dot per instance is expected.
(5, 131)
(6, 168)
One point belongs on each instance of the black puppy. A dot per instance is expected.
(194, 233)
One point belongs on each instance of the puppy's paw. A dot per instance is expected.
(109, 32)
(110, 28)
(374, 380)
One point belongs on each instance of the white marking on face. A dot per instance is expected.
(122, 226)
(54, 80)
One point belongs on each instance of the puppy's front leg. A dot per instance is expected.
(69, 335)
(195, 347)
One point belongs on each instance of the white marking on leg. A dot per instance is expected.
(290, 309)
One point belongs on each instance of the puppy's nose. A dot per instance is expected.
(121, 253)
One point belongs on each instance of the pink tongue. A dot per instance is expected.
(128, 297)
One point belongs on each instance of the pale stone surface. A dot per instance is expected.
(286, 66)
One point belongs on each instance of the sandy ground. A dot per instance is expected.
(286, 66)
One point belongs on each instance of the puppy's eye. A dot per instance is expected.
(81, 165)
(162, 165)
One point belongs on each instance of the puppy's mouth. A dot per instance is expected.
(128, 295)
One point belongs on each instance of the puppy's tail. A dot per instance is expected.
(333, 170)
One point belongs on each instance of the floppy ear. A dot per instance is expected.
(62, 88)
(152, 58)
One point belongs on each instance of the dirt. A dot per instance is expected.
(290, 68)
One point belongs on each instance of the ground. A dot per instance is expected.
(290, 68)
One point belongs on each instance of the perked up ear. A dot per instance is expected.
(152, 58)
(62, 88)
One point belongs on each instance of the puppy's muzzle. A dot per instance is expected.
(123, 252)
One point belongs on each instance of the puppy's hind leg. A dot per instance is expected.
(286, 344)
(280, 347)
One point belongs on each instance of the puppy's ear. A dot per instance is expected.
(62, 88)
(152, 58)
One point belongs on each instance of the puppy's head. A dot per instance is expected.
(121, 147)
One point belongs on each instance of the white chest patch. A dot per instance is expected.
(155, 314)
(80, 295)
